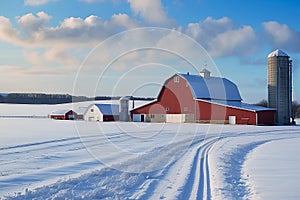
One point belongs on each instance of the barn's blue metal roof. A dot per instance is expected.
(240, 105)
(213, 88)
(108, 109)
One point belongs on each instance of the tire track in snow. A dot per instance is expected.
(38, 143)
(188, 177)
(208, 175)
(48, 144)
(46, 154)
(163, 183)
(198, 182)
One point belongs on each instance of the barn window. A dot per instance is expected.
(167, 109)
(185, 109)
(176, 79)
(162, 116)
(92, 110)
(152, 116)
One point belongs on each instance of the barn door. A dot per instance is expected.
(142, 118)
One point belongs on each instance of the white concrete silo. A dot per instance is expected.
(123, 109)
(280, 85)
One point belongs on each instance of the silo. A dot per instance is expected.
(123, 109)
(280, 85)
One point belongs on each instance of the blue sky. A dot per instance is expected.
(45, 43)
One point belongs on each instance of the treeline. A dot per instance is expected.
(118, 97)
(40, 98)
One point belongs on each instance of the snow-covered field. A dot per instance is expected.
(48, 159)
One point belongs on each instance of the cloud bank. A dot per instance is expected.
(218, 36)
(54, 44)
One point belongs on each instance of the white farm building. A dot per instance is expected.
(102, 112)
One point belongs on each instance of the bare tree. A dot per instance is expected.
(263, 103)
(295, 111)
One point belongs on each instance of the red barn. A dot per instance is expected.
(202, 98)
(65, 114)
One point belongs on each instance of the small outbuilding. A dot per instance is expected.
(64, 114)
(102, 112)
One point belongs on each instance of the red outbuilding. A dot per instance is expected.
(65, 114)
(202, 98)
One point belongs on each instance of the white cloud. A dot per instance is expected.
(282, 36)
(33, 31)
(220, 38)
(30, 23)
(152, 11)
(7, 32)
(47, 46)
(36, 2)
(207, 30)
(51, 56)
(240, 41)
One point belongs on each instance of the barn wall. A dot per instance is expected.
(93, 114)
(266, 117)
(180, 94)
(156, 118)
(61, 117)
(71, 115)
(108, 118)
(215, 113)
(175, 96)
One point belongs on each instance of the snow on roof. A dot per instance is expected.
(212, 88)
(277, 53)
(108, 109)
(61, 112)
(241, 105)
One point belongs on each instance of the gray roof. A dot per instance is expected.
(241, 105)
(212, 88)
(108, 109)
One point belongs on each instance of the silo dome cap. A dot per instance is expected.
(277, 53)
(124, 98)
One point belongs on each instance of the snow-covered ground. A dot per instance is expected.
(275, 170)
(48, 159)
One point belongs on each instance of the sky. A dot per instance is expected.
(130, 47)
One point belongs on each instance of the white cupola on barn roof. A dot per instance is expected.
(205, 73)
